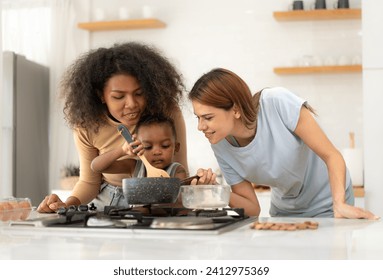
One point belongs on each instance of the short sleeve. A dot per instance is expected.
(284, 103)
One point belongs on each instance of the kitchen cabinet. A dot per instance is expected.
(314, 15)
(122, 24)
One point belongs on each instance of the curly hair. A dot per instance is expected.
(84, 81)
(156, 120)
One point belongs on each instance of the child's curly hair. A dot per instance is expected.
(83, 82)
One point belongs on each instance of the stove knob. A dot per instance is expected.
(82, 208)
(71, 209)
(92, 207)
(61, 211)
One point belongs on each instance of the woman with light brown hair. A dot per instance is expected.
(272, 138)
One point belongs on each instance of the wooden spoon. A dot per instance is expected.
(151, 171)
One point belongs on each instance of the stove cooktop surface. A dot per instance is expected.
(155, 219)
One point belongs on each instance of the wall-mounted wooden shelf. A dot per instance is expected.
(359, 191)
(318, 14)
(318, 69)
(122, 24)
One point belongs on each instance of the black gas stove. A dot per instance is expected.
(148, 218)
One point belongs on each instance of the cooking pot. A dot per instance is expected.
(205, 196)
(138, 191)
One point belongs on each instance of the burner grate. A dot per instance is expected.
(208, 213)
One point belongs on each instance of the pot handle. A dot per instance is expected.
(188, 180)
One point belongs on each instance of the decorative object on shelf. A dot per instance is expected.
(99, 14)
(69, 176)
(338, 14)
(147, 11)
(297, 5)
(123, 13)
(342, 4)
(344, 60)
(356, 59)
(320, 4)
(122, 24)
(329, 60)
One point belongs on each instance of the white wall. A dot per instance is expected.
(3, 192)
(243, 36)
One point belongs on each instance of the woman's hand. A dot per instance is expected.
(206, 177)
(50, 204)
(344, 210)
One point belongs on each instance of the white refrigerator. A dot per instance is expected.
(25, 142)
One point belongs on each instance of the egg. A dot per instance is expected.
(26, 208)
(15, 212)
(6, 211)
(1, 211)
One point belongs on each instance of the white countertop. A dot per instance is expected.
(335, 239)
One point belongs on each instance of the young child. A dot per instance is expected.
(156, 138)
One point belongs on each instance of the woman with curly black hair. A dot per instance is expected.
(104, 88)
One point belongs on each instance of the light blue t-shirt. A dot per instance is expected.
(276, 157)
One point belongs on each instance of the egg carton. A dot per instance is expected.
(13, 209)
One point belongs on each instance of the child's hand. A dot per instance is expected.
(133, 149)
